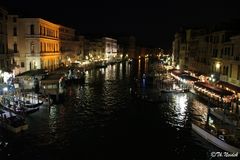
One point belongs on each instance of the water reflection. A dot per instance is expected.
(101, 114)
(53, 119)
(199, 110)
(139, 68)
(181, 101)
(146, 63)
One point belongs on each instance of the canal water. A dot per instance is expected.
(102, 119)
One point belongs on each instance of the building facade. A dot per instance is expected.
(71, 46)
(34, 42)
(213, 53)
(110, 48)
(5, 57)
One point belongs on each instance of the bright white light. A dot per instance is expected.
(181, 104)
(6, 76)
(5, 89)
(217, 65)
(184, 81)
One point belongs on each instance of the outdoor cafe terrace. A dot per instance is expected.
(183, 77)
(214, 92)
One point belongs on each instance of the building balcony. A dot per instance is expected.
(49, 53)
(32, 36)
(32, 55)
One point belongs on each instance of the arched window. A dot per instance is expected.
(32, 29)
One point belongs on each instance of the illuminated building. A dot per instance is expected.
(71, 47)
(209, 52)
(34, 42)
(5, 57)
(110, 48)
(102, 49)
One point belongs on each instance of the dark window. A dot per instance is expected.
(0, 27)
(238, 74)
(223, 38)
(14, 19)
(230, 75)
(40, 30)
(15, 48)
(1, 48)
(225, 51)
(32, 29)
(22, 64)
(14, 31)
(228, 51)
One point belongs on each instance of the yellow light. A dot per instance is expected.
(177, 67)
(217, 65)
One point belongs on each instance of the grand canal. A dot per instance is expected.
(101, 119)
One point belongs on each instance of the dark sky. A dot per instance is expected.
(153, 23)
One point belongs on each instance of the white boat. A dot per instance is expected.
(219, 142)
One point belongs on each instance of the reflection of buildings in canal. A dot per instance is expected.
(110, 73)
(146, 65)
(53, 118)
(120, 70)
(139, 68)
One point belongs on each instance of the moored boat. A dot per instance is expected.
(219, 142)
(12, 122)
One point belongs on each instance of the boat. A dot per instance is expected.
(20, 107)
(219, 142)
(12, 122)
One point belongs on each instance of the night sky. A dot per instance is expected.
(152, 23)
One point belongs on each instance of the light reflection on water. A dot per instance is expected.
(181, 104)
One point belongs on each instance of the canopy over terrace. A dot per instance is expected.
(183, 76)
(189, 78)
(228, 86)
(32, 73)
(214, 92)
